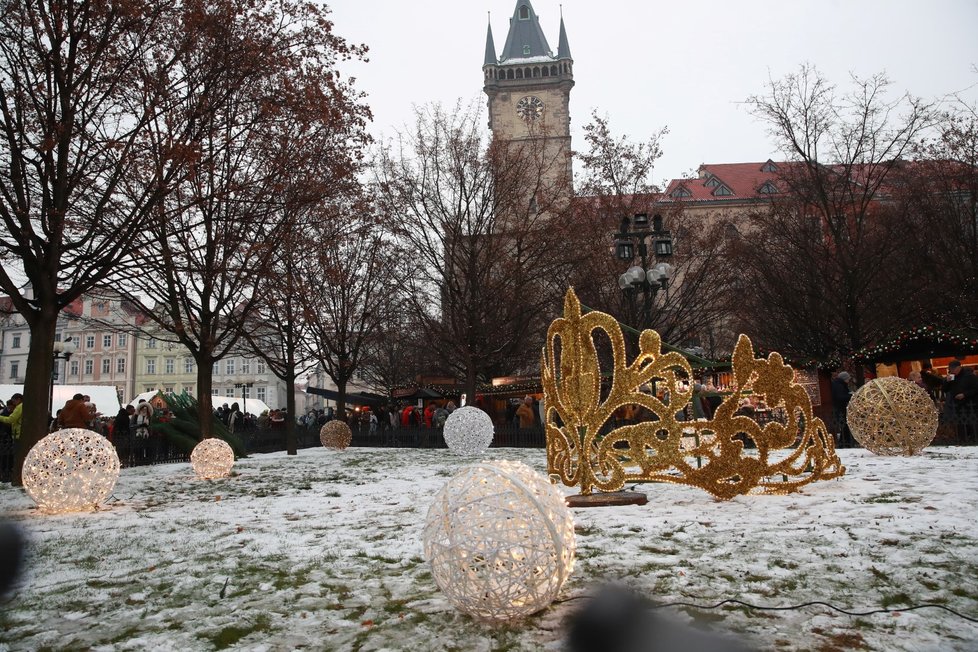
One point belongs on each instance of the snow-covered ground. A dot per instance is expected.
(322, 551)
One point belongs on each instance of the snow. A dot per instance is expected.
(323, 551)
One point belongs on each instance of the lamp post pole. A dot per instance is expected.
(648, 279)
(62, 351)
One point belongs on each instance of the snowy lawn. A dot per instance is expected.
(322, 551)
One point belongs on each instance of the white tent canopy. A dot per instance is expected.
(250, 405)
(104, 397)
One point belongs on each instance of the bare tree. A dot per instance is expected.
(79, 89)
(824, 261)
(269, 73)
(483, 224)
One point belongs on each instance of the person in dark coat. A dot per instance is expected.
(961, 397)
(841, 394)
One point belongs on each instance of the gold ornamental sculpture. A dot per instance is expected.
(583, 452)
(892, 416)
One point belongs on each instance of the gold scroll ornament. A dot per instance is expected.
(583, 453)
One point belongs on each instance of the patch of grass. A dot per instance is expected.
(964, 593)
(895, 599)
(656, 550)
(234, 633)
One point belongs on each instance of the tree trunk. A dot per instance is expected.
(341, 399)
(205, 405)
(37, 390)
(470, 383)
(290, 425)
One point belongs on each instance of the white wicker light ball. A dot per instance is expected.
(70, 470)
(892, 416)
(500, 540)
(468, 430)
(212, 459)
(336, 434)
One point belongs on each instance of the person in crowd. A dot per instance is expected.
(74, 414)
(439, 418)
(525, 413)
(933, 382)
(93, 413)
(429, 413)
(961, 397)
(698, 401)
(120, 427)
(450, 406)
(264, 423)
(841, 394)
(140, 427)
(918, 380)
(374, 422)
(14, 420)
(235, 419)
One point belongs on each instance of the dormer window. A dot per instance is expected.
(722, 191)
(769, 166)
(768, 189)
(526, 50)
(524, 13)
(681, 192)
(713, 182)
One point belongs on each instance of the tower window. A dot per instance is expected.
(526, 50)
(524, 13)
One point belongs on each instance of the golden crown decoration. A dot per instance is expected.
(732, 453)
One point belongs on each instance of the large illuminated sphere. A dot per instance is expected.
(468, 430)
(70, 470)
(212, 459)
(500, 540)
(336, 434)
(892, 416)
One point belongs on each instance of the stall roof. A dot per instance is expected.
(104, 397)
(353, 398)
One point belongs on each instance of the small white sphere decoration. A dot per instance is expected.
(500, 540)
(70, 470)
(336, 434)
(212, 459)
(468, 430)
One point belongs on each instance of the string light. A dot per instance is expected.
(468, 431)
(651, 450)
(212, 459)
(500, 540)
(892, 416)
(336, 434)
(70, 470)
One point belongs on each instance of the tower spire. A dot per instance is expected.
(563, 47)
(490, 48)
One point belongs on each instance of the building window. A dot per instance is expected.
(16, 342)
(106, 366)
(229, 366)
(769, 167)
(768, 189)
(76, 341)
(14, 368)
(246, 365)
(213, 391)
(122, 339)
(168, 390)
(74, 367)
(188, 365)
(169, 365)
(712, 182)
(151, 343)
(189, 389)
(151, 365)
(259, 366)
(106, 341)
(120, 365)
(150, 388)
(681, 192)
(526, 50)
(524, 12)
(214, 369)
(722, 191)
(89, 367)
(261, 393)
(89, 342)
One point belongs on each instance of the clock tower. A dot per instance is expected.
(529, 92)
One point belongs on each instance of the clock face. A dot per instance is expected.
(529, 108)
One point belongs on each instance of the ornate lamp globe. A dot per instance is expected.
(500, 540)
(468, 431)
(212, 459)
(70, 470)
(336, 434)
(892, 416)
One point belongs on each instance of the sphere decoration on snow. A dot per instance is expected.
(892, 416)
(468, 430)
(336, 434)
(500, 540)
(212, 459)
(70, 470)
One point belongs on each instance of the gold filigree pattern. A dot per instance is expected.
(733, 455)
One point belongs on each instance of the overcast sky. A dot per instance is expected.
(648, 64)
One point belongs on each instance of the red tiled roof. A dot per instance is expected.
(743, 180)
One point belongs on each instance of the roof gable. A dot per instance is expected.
(525, 38)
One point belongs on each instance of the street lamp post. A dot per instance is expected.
(643, 277)
(243, 385)
(62, 351)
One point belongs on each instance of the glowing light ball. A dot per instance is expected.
(336, 434)
(500, 540)
(468, 430)
(892, 416)
(212, 459)
(70, 470)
